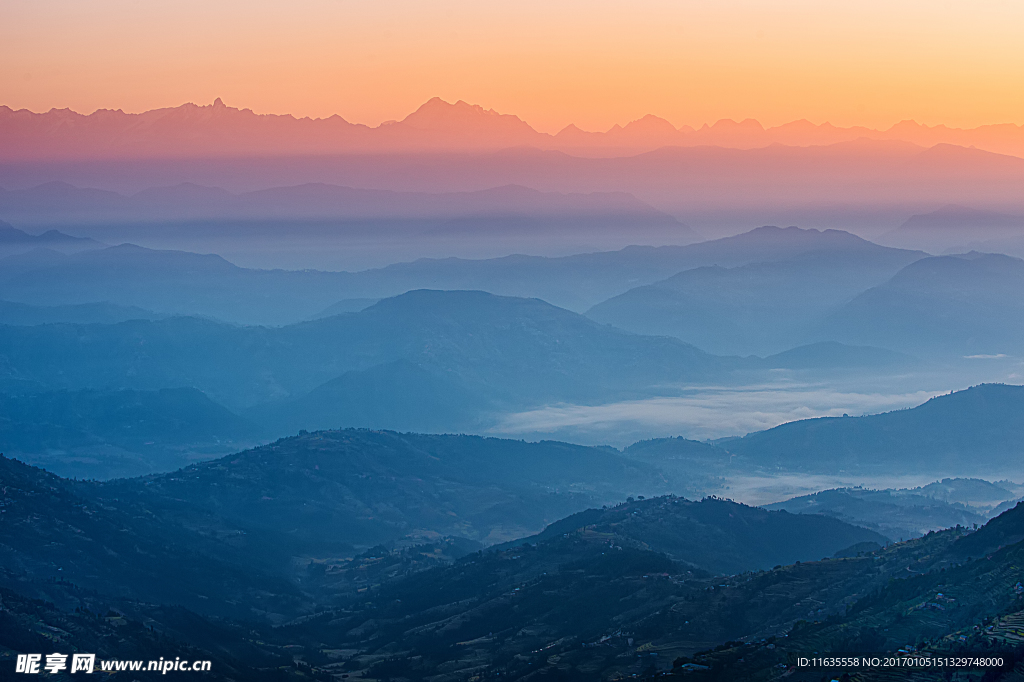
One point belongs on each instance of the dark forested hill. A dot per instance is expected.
(53, 531)
(584, 603)
(273, 509)
(717, 535)
(324, 492)
(606, 592)
(321, 496)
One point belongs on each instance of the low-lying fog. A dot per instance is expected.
(710, 412)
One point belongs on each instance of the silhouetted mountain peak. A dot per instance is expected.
(439, 116)
(649, 124)
(747, 125)
(797, 235)
(11, 235)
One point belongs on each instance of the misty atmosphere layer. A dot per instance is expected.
(451, 399)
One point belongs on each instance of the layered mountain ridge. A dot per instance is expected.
(218, 130)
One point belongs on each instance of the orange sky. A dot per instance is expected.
(593, 62)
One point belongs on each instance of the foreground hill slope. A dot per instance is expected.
(51, 532)
(319, 499)
(574, 606)
(591, 597)
(260, 517)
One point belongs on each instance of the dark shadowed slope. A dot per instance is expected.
(944, 306)
(972, 432)
(587, 604)
(270, 511)
(322, 493)
(36, 625)
(590, 595)
(53, 530)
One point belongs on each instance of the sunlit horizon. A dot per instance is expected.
(591, 65)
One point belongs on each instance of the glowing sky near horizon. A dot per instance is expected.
(593, 63)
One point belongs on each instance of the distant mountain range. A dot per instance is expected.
(972, 432)
(897, 514)
(759, 308)
(174, 282)
(81, 313)
(859, 184)
(954, 226)
(15, 241)
(61, 203)
(502, 350)
(219, 130)
(963, 305)
(856, 294)
(183, 164)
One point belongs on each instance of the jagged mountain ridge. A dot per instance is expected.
(220, 129)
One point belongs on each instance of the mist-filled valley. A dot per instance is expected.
(451, 399)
